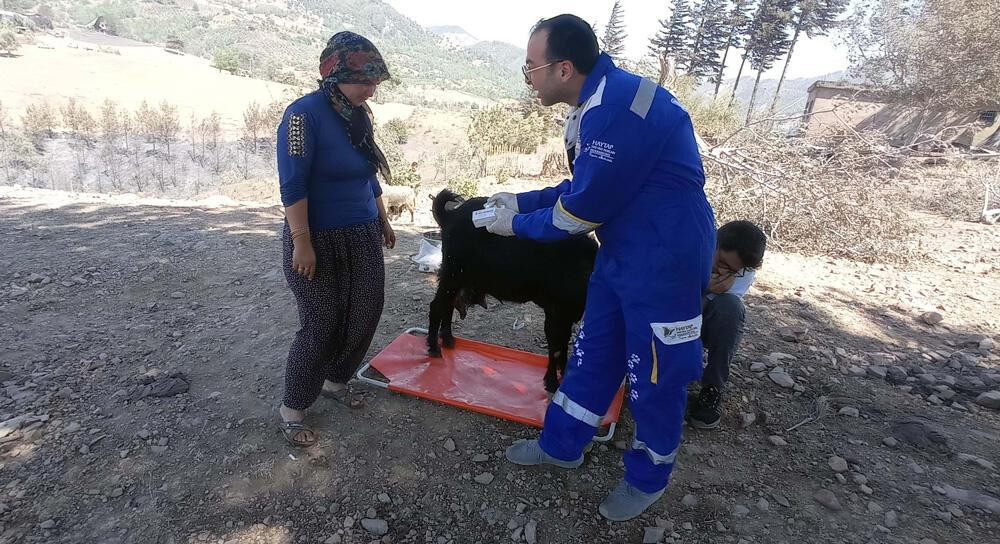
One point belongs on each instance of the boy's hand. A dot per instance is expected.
(721, 282)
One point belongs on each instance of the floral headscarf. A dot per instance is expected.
(351, 58)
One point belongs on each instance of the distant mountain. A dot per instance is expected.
(502, 53)
(282, 39)
(485, 53)
(793, 91)
(454, 36)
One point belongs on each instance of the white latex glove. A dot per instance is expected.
(504, 223)
(502, 200)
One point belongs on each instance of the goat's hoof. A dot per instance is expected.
(434, 353)
(448, 341)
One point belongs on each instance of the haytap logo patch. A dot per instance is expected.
(600, 150)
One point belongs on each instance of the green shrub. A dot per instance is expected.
(8, 40)
(505, 130)
(17, 153)
(713, 120)
(226, 60)
(39, 120)
(396, 130)
(467, 187)
(503, 175)
(404, 175)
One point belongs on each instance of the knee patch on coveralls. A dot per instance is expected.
(658, 408)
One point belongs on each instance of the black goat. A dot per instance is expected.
(476, 263)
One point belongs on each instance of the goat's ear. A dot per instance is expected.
(451, 205)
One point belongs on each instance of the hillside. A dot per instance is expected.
(281, 40)
(454, 36)
(127, 73)
(94, 67)
(504, 54)
(485, 52)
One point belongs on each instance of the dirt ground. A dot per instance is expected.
(879, 437)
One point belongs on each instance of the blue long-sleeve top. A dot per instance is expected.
(317, 161)
(633, 138)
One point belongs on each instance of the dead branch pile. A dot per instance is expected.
(826, 196)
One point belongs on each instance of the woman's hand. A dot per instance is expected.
(304, 259)
(388, 235)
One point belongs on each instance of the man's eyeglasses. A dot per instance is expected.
(525, 70)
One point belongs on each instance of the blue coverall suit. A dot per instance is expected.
(638, 181)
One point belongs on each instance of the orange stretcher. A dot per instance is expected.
(493, 380)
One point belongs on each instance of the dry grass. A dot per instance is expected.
(829, 196)
(955, 189)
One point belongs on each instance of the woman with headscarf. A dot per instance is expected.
(334, 229)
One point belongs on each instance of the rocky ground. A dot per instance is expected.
(142, 348)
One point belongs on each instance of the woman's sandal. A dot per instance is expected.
(292, 431)
(346, 397)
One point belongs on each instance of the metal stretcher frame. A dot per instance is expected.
(484, 378)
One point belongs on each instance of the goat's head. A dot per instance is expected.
(444, 202)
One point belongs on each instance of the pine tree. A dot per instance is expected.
(614, 34)
(710, 38)
(814, 18)
(674, 37)
(769, 39)
(737, 23)
(697, 22)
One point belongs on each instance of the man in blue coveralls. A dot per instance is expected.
(637, 179)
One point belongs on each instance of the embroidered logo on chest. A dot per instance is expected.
(600, 150)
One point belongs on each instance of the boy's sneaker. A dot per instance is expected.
(706, 411)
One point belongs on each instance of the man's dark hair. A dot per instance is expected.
(746, 239)
(570, 38)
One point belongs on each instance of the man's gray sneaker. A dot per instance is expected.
(627, 502)
(528, 453)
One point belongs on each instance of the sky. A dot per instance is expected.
(510, 20)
